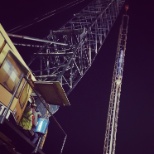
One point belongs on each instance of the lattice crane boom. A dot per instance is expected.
(113, 110)
(85, 34)
(66, 56)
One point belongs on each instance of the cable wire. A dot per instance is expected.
(45, 16)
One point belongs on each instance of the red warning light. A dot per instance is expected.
(126, 7)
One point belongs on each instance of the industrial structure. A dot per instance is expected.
(77, 44)
(113, 109)
(65, 57)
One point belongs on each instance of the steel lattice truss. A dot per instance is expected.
(113, 110)
(84, 36)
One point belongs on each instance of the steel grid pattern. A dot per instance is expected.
(85, 34)
(113, 110)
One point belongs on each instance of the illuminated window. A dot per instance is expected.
(10, 73)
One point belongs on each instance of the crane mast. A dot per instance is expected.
(83, 37)
(65, 57)
(113, 109)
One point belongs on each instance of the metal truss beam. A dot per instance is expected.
(85, 34)
(113, 110)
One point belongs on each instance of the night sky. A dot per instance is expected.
(85, 120)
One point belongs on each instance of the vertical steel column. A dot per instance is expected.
(113, 110)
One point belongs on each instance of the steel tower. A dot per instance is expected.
(113, 110)
(78, 43)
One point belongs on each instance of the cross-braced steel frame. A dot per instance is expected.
(113, 110)
(80, 40)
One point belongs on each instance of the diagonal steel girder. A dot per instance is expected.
(84, 35)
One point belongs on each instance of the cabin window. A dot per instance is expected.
(10, 73)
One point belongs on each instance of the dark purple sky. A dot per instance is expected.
(85, 120)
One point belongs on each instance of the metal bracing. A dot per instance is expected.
(113, 110)
(85, 34)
